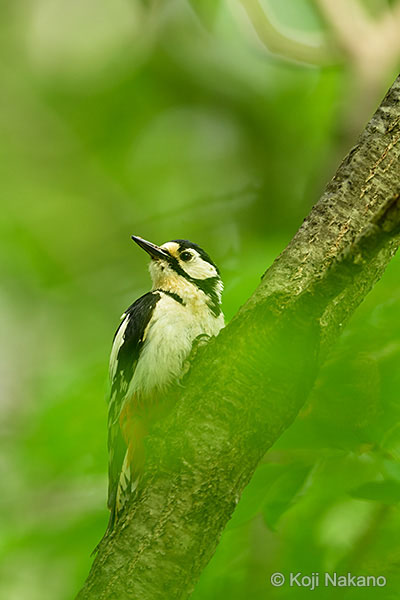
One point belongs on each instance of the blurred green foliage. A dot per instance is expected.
(166, 120)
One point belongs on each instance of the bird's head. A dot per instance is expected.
(182, 267)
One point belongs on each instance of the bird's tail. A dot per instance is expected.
(130, 474)
(134, 430)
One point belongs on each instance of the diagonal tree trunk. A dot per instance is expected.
(248, 385)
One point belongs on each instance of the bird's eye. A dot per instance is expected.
(186, 256)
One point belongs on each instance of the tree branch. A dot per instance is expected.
(389, 25)
(350, 22)
(276, 42)
(248, 385)
(372, 45)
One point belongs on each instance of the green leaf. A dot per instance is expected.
(282, 493)
(392, 469)
(253, 497)
(387, 492)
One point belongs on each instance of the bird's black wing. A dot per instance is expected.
(127, 345)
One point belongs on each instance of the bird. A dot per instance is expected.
(150, 349)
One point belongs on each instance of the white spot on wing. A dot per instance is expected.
(118, 341)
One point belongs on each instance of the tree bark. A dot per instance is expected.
(247, 386)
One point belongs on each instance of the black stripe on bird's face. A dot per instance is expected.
(185, 245)
(176, 297)
(211, 286)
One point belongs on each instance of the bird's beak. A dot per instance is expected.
(152, 249)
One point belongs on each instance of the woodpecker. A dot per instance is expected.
(149, 351)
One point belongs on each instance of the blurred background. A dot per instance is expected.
(219, 121)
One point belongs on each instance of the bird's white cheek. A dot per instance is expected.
(201, 270)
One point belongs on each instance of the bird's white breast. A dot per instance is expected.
(168, 341)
